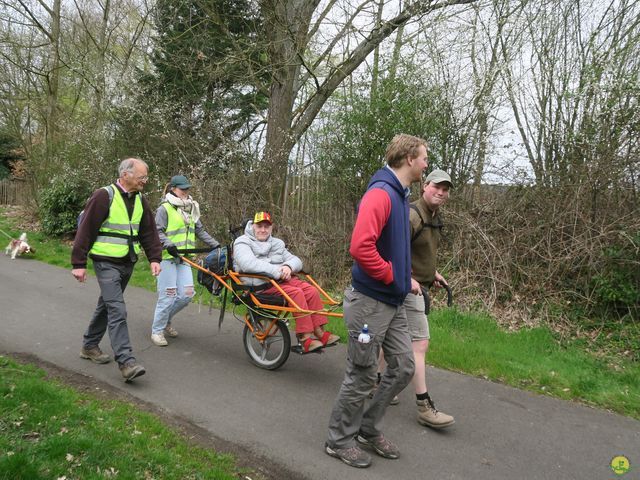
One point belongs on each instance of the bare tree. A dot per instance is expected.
(570, 86)
(290, 27)
(66, 61)
(49, 27)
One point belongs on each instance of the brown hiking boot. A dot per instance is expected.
(429, 415)
(95, 355)
(131, 370)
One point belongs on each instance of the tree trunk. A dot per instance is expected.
(287, 26)
(53, 80)
(101, 83)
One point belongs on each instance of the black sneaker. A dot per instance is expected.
(353, 456)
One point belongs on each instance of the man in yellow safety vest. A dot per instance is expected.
(117, 220)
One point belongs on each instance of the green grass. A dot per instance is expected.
(52, 431)
(532, 359)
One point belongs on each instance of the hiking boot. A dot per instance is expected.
(131, 370)
(170, 332)
(353, 456)
(429, 415)
(394, 401)
(381, 445)
(159, 340)
(95, 355)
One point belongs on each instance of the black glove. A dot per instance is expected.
(173, 251)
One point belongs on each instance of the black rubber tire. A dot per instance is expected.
(275, 350)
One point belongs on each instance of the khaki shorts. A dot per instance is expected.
(418, 321)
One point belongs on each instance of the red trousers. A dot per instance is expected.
(306, 297)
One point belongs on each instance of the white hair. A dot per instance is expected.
(128, 164)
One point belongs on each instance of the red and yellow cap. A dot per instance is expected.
(262, 217)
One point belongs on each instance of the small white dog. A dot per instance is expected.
(18, 247)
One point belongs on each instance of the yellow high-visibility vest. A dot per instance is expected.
(178, 232)
(118, 231)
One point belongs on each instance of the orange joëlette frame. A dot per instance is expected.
(234, 278)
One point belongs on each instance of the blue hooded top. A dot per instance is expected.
(392, 243)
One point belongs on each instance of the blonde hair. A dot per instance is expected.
(401, 147)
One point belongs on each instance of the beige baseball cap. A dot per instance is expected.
(439, 176)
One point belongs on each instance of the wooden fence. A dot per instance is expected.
(13, 192)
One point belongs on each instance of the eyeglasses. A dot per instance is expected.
(142, 178)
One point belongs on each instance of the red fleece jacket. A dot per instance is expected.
(374, 211)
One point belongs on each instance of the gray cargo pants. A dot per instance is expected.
(111, 311)
(389, 330)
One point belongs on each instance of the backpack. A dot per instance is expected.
(423, 224)
(110, 191)
(217, 262)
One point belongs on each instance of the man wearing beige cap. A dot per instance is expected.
(426, 224)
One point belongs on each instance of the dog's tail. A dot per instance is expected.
(23, 237)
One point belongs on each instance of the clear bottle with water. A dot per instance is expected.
(364, 336)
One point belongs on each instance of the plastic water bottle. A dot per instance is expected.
(364, 336)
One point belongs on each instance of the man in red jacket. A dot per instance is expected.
(381, 279)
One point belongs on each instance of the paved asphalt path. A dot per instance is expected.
(205, 376)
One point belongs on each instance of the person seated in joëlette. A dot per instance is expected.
(258, 252)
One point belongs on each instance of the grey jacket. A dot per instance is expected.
(265, 258)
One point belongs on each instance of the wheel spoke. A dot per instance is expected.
(272, 340)
(272, 351)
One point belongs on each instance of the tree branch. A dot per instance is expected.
(317, 100)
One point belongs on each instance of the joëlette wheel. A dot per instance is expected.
(274, 350)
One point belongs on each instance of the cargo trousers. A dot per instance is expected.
(388, 330)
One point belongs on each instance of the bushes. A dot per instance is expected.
(616, 287)
(534, 249)
(61, 202)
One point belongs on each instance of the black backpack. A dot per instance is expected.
(217, 262)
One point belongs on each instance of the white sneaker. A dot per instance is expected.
(159, 340)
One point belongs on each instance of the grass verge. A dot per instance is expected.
(532, 359)
(52, 431)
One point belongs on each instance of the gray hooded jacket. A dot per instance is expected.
(264, 258)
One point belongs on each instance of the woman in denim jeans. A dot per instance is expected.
(178, 223)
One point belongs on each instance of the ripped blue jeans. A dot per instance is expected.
(175, 291)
